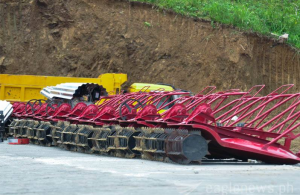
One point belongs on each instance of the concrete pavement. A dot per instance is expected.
(31, 169)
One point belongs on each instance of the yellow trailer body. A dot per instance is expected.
(23, 88)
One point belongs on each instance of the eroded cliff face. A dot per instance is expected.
(89, 37)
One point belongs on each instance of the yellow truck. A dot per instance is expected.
(22, 88)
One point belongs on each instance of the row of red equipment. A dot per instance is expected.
(243, 125)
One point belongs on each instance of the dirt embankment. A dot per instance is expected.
(88, 37)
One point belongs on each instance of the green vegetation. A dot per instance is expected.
(262, 16)
(147, 24)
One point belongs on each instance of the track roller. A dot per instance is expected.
(18, 127)
(41, 133)
(122, 142)
(30, 124)
(68, 137)
(151, 143)
(31, 132)
(12, 127)
(84, 144)
(56, 132)
(23, 129)
(100, 139)
(183, 147)
(166, 144)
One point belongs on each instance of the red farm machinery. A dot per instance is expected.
(156, 126)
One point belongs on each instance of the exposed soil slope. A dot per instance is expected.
(90, 37)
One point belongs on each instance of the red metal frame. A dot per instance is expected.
(237, 124)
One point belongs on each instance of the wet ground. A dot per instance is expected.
(30, 169)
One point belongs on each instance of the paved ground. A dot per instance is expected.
(39, 170)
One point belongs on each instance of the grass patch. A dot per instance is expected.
(262, 16)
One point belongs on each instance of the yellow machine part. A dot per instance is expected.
(26, 87)
(147, 87)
